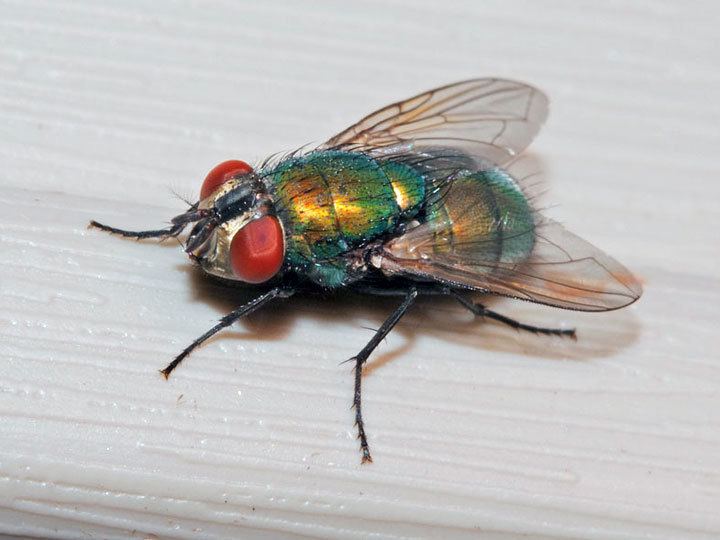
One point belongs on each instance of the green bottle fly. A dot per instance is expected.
(420, 197)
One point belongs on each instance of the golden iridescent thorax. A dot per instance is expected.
(333, 202)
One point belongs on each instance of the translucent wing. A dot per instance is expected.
(483, 236)
(493, 119)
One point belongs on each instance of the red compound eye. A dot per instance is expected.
(221, 174)
(256, 250)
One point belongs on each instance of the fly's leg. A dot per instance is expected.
(227, 320)
(178, 224)
(481, 311)
(157, 233)
(361, 358)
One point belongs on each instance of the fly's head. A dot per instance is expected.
(235, 233)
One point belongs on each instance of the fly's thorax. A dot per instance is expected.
(334, 202)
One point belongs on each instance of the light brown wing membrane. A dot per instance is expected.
(493, 119)
(485, 120)
(563, 271)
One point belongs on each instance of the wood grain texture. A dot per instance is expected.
(477, 432)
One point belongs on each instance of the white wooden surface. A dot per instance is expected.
(477, 432)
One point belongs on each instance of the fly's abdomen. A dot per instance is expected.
(482, 216)
(333, 201)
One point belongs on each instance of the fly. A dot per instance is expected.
(417, 198)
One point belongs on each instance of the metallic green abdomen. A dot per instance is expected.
(482, 216)
(332, 202)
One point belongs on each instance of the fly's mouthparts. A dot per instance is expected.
(200, 234)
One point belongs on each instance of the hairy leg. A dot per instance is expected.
(481, 311)
(227, 320)
(361, 358)
(157, 233)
